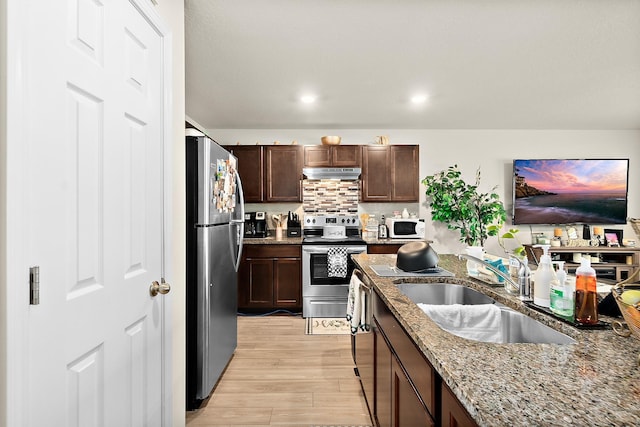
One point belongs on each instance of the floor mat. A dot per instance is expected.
(327, 326)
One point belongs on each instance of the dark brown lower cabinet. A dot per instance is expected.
(391, 248)
(407, 390)
(383, 395)
(407, 408)
(364, 357)
(270, 278)
(453, 413)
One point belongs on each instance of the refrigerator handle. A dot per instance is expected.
(238, 227)
(241, 197)
(239, 224)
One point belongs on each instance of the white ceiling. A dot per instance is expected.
(485, 64)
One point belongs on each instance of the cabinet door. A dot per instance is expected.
(317, 156)
(332, 155)
(383, 393)
(404, 173)
(376, 177)
(250, 170)
(406, 406)
(453, 413)
(346, 156)
(257, 290)
(364, 349)
(383, 249)
(287, 283)
(283, 169)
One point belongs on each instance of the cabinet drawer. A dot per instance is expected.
(272, 251)
(419, 370)
(390, 248)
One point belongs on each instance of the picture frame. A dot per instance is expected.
(572, 233)
(612, 237)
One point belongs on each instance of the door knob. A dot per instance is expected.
(159, 288)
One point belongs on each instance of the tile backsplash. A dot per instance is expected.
(330, 196)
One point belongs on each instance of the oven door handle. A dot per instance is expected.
(324, 249)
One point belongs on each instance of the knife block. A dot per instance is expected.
(294, 229)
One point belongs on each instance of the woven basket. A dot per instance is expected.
(630, 313)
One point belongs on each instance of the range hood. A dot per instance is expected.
(344, 174)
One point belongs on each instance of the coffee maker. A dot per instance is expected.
(255, 224)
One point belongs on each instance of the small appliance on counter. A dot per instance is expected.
(405, 228)
(294, 228)
(255, 224)
(382, 229)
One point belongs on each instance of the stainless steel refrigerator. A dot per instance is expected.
(215, 228)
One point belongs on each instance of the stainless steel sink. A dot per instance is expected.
(515, 327)
(443, 293)
(520, 328)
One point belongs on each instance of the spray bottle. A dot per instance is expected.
(586, 296)
(542, 278)
(562, 294)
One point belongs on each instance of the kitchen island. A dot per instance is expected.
(593, 382)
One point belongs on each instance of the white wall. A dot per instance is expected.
(491, 150)
(172, 13)
(3, 206)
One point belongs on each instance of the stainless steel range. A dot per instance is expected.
(327, 246)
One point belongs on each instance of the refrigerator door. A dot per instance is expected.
(217, 321)
(217, 172)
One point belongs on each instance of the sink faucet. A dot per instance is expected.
(522, 288)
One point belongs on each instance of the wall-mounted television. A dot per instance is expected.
(570, 191)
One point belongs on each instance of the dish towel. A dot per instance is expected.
(358, 306)
(480, 322)
(337, 261)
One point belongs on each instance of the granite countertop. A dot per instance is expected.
(594, 382)
(271, 240)
(376, 241)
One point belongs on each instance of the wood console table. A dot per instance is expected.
(615, 263)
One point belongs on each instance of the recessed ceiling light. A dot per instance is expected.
(419, 99)
(308, 99)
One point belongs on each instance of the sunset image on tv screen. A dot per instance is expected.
(570, 191)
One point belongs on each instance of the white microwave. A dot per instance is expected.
(405, 228)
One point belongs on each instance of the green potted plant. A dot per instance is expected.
(462, 207)
(512, 233)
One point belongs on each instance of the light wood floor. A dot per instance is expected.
(280, 376)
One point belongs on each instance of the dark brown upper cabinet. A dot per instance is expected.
(332, 156)
(251, 170)
(269, 173)
(390, 173)
(283, 171)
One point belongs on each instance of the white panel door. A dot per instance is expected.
(94, 196)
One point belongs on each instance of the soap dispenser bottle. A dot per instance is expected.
(542, 279)
(562, 295)
(586, 308)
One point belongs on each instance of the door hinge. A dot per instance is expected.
(34, 285)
